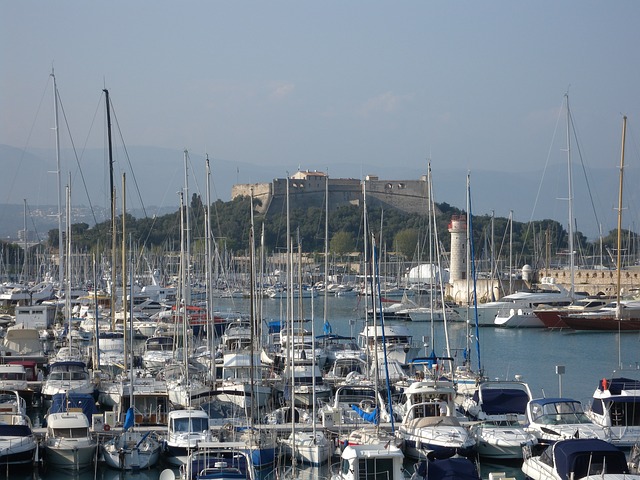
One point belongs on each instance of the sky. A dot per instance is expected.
(469, 85)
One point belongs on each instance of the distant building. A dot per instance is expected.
(307, 189)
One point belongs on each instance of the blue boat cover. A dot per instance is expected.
(371, 417)
(616, 385)
(501, 401)
(14, 431)
(578, 456)
(62, 402)
(455, 468)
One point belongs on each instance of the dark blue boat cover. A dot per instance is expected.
(14, 430)
(616, 385)
(455, 468)
(62, 402)
(587, 456)
(501, 401)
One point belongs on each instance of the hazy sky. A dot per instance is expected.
(472, 85)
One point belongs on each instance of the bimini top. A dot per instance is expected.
(67, 402)
(448, 469)
(583, 456)
(617, 385)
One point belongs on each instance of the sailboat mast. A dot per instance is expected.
(252, 316)
(124, 271)
(59, 180)
(112, 193)
(208, 273)
(67, 297)
(326, 250)
(618, 258)
(187, 284)
(570, 179)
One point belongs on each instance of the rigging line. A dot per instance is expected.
(544, 171)
(75, 154)
(126, 154)
(24, 149)
(584, 171)
(33, 222)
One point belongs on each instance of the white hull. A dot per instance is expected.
(504, 443)
(68, 455)
(131, 451)
(240, 394)
(308, 448)
(520, 318)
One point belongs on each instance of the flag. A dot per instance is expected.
(129, 419)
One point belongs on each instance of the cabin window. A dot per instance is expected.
(375, 468)
(190, 424)
(625, 414)
(81, 432)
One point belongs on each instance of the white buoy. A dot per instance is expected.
(167, 474)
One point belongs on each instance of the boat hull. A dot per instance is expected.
(70, 457)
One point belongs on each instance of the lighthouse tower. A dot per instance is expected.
(458, 231)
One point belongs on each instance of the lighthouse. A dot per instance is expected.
(458, 265)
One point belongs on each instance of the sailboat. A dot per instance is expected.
(131, 449)
(308, 447)
(259, 444)
(622, 315)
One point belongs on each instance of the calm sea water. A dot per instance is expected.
(533, 354)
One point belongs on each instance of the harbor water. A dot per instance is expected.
(553, 363)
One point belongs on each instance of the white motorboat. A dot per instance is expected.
(158, 351)
(397, 345)
(553, 419)
(18, 444)
(68, 444)
(616, 406)
(356, 402)
(67, 377)
(430, 427)
(500, 407)
(304, 391)
(370, 461)
(308, 447)
(520, 313)
(237, 386)
(576, 459)
(185, 430)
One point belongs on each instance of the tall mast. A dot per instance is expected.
(112, 193)
(187, 283)
(570, 179)
(59, 180)
(208, 272)
(67, 297)
(326, 250)
(124, 273)
(618, 258)
(252, 315)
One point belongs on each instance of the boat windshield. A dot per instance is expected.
(79, 432)
(560, 413)
(193, 424)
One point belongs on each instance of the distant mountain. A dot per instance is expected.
(154, 176)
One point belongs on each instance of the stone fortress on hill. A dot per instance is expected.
(307, 189)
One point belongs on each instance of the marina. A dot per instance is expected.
(552, 362)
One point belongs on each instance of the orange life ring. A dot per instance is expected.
(107, 427)
(604, 384)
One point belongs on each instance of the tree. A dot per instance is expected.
(406, 241)
(342, 243)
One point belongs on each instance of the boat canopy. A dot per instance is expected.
(577, 458)
(66, 402)
(448, 469)
(502, 401)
